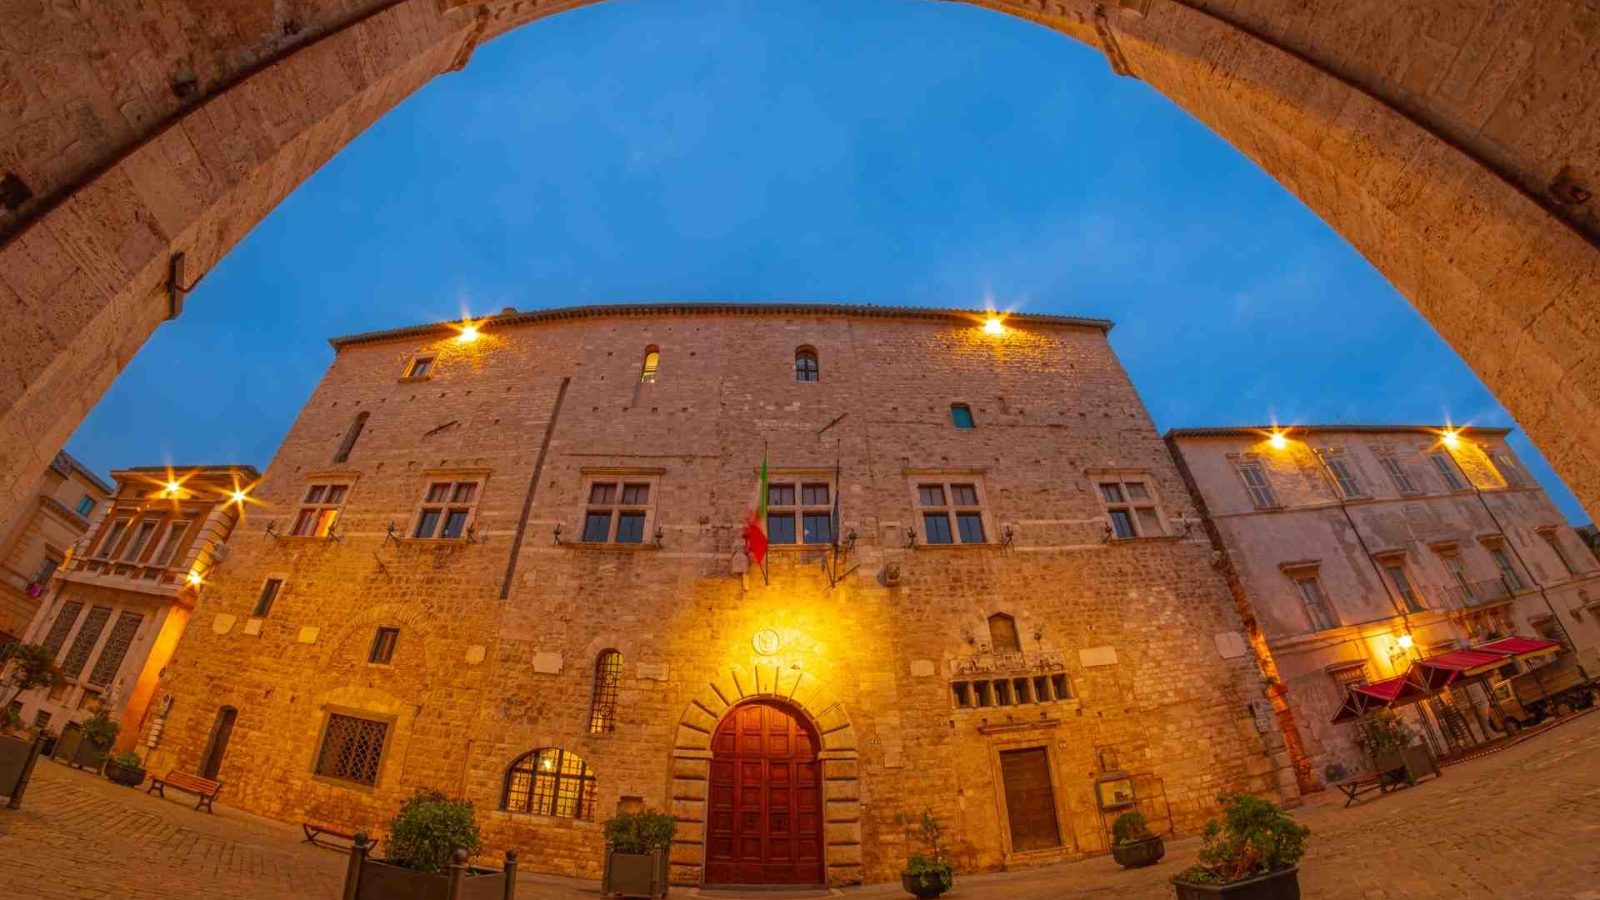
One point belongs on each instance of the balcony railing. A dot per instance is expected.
(1483, 593)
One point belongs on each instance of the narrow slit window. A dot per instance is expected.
(351, 435)
(268, 596)
(383, 644)
(961, 417)
(652, 363)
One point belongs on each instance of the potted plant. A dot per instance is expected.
(27, 667)
(126, 769)
(99, 733)
(1249, 855)
(1391, 742)
(637, 850)
(927, 875)
(430, 840)
(1133, 845)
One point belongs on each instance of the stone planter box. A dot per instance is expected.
(635, 874)
(925, 885)
(1138, 854)
(377, 879)
(128, 776)
(1281, 885)
(1415, 761)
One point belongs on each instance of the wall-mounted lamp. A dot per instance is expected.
(556, 534)
(659, 535)
(911, 538)
(1007, 535)
(390, 534)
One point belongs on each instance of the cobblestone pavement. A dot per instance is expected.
(1522, 823)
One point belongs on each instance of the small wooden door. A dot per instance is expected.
(764, 821)
(1030, 799)
(221, 730)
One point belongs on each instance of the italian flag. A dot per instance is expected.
(755, 530)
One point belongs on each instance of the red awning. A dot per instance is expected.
(1388, 693)
(1439, 671)
(1519, 646)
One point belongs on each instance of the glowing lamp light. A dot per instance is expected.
(173, 486)
(238, 496)
(1452, 438)
(1278, 441)
(194, 578)
(469, 333)
(1406, 642)
(993, 325)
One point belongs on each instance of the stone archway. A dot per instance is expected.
(690, 768)
(1448, 142)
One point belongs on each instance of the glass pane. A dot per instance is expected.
(315, 492)
(1136, 491)
(1122, 524)
(325, 520)
(937, 526)
(597, 527)
(636, 494)
(814, 495)
(780, 495)
(269, 594)
(630, 528)
(961, 416)
(602, 492)
(1111, 493)
(438, 493)
(819, 528)
(964, 495)
(780, 528)
(970, 526)
(304, 522)
(427, 523)
(463, 492)
(930, 494)
(335, 493)
(1149, 521)
(455, 523)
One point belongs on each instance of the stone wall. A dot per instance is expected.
(478, 680)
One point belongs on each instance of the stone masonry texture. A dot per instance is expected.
(1452, 142)
(477, 680)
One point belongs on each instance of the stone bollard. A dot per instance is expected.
(358, 858)
(458, 875)
(511, 874)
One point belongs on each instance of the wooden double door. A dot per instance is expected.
(764, 820)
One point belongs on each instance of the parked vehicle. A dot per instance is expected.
(1555, 688)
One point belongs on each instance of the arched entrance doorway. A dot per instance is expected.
(764, 815)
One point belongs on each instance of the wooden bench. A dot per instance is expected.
(1367, 782)
(321, 834)
(204, 788)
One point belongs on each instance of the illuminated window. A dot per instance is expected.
(1131, 507)
(1403, 481)
(352, 748)
(268, 596)
(383, 644)
(1448, 473)
(350, 437)
(603, 698)
(1255, 481)
(550, 782)
(446, 511)
(799, 512)
(618, 510)
(952, 512)
(652, 362)
(961, 416)
(1020, 690)
(319, 510)
(805, 365)
(1003, 636)
(420, 367)
(116, 648)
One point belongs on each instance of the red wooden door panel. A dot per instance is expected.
(764, 821)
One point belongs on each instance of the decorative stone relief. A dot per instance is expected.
(1097, 656)
(223, 623)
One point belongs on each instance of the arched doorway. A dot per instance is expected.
(764, 816)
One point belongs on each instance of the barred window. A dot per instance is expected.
(93, 624)
(105, 669)
(607, 681)
(352, 747)
(63, 625)
(805, 365)
(550, 782)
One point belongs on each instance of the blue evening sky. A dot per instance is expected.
(876, 151)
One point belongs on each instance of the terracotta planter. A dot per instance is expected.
(128, 776)
(1138, 854)
(927, 884)
(635, 874)
(1283, 884)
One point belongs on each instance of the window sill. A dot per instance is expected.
(506, 815)
(305, 538)
(1152, 539)
(433, 542)
(611, 547)
(345, 783)
(414, 379)
(799, 548)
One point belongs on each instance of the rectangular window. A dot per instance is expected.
(268, 596)
(961, 417)
(113, 534)
(47, 570)
(1510, 472)
(1260, 489)
(419, 367)
(383, 643)
(617, 512)
(1508, 572)
(352, 748)
(1448, 473)
(799, 512)
(962, 692)
(319, 511)
(1316, 603)
(1549, 629)
(1402, 584)
(85, 506)
(1130, 507)
(1400, 475)
(446, 510)
(171, 543)
(140, 539)
(951, 512)
(1344, 475)
(1553, 541)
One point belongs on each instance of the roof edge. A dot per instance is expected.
(1256, 430)
(568, 313)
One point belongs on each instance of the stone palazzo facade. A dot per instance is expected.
(507, 564)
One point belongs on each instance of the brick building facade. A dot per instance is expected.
(506, 563)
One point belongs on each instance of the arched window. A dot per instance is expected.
(350, 437)
(1003, 634)
(652, 361)
(550, 782)
(805, 365)
(603, 704)
(961, 416)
